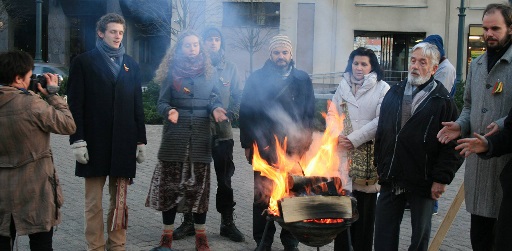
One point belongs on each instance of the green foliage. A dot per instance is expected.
(63, 87)
(320, 107)
(235, 123)
(149, 100)
(459, 95)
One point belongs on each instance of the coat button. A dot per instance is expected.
(484, 110)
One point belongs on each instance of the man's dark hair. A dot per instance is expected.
(374, 62)
(14, 63)
(210, 31)
(505, 10)
(101, 25)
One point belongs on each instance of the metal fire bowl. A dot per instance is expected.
(318, 234)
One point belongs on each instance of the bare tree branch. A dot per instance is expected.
(186, 14)
(253, 36)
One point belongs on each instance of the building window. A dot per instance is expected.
(250, 14)
(476, 43)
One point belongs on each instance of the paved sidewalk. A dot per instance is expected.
(145, 223)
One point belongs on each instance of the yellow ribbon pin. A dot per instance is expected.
(498, 88)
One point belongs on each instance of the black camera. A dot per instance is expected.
(37, 79)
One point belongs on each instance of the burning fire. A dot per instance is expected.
(325, 221)
(321, 160)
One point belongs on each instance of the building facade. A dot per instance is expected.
(69, 28)
(323, 32)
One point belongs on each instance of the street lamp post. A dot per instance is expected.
(460, 42)
(39, 28)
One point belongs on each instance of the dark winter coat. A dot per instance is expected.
(108, 113)
(190, 136)
(230, 93)
(412, 157)
(272, 106)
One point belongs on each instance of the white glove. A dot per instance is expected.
(80, 151)
(141, 153)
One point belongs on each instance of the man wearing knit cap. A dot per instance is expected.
(445, 72)
(278, 102)
(230, 88)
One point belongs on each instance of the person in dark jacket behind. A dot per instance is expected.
(412, 164)
(105, 98)
(278, 100)
(487, 147)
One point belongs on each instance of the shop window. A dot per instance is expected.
(476, 44)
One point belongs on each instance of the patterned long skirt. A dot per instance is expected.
(184, 185)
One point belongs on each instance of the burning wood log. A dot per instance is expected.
(294, 209)
(315, 185)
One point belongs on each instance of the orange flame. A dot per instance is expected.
(321, 159)
(325, 221)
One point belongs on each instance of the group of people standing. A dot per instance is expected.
(400, 140)
(200, 96)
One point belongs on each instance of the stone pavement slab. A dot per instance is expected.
(145, 223)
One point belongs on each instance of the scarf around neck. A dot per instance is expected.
(217, 57)
(355, 84)
(414, 96)
(113, 57)
(186, 67)
(494, 55)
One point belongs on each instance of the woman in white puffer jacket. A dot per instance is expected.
(358, 97)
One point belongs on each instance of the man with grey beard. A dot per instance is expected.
(278, 102)
(413, 166)
(487, 100)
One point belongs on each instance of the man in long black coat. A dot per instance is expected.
(105, 98)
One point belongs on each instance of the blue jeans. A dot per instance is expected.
(389, 215)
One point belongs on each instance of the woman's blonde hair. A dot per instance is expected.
(162, 73)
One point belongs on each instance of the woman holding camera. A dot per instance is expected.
(30, 194)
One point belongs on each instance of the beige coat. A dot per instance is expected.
(30, 191)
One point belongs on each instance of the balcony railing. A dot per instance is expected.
(394, 77)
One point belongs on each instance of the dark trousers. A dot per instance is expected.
(169, 216)
(482, 232)
(38, 241)
(504, 224)
(222, 153)
(262, 188)
(361, 231)
(389, 214)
